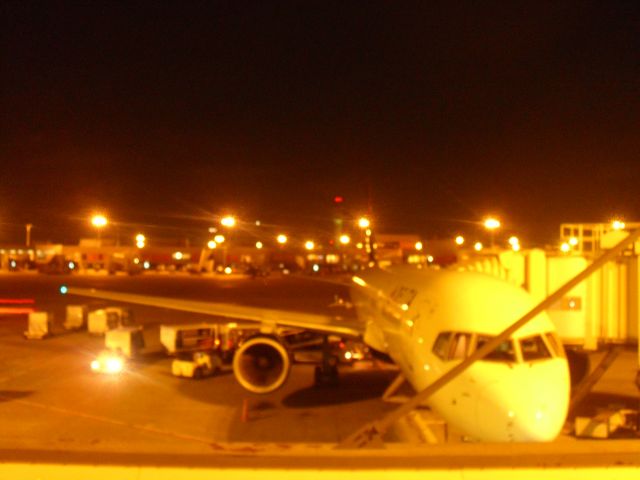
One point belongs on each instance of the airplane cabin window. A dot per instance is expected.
(503, 353)
(441, 345)
(534, 348)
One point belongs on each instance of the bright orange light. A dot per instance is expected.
(478, 246)
(459, 240)
(309, 245)
(140, 238)
(211, 244)
(259, 245)
(618, 225)
(219, 238)
(418, 246)
(573, 241)
(491, 223)
(363, 222)
(282, 239)
(228, 221)
(565, 247)
(344, 239)
(99, 221)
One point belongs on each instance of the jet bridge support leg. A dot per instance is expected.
(588, 383)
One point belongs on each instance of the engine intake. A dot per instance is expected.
(261, 364)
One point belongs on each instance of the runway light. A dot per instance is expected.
(259, 245)
(477, 246)
(309, 245)
(178, 255)
(72, 266)
(348, 355)
(146, 265)
(211, 244)
(344, 239)
(418, 246)
(281, 239)
(430, 258)
(219, 238)
(459, 240)
(316, 267)
(573, 241)
(565, 247)
(63, 289)
(228, 270)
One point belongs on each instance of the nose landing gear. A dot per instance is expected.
(326, 373)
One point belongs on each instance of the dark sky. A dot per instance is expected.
(161, 112)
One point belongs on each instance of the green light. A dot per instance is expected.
(63, 289)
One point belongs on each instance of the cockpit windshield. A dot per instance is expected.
(503, 353)
(459, 345)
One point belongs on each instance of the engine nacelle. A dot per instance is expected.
(261, 364)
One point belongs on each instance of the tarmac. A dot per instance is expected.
(55, 411)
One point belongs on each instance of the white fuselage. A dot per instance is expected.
(427, 321)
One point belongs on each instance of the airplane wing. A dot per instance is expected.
(265, 316)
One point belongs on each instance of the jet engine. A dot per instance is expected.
(261, 364)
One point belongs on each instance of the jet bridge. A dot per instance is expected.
(602, 310)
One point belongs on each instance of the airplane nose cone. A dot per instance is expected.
(528, 406)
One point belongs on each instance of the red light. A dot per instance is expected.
(338, 199)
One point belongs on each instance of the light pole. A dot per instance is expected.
(491, 224)
(365, 224)
(28, 227)
(228, 221)
(99, 221)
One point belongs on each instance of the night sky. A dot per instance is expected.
(167, 113)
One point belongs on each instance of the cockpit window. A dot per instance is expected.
(503, 353)
(441, 345)
(459, 346)
(452, 345)
(534, 348)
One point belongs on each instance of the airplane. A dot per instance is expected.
(427, 322)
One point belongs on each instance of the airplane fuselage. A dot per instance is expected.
(428, 321)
